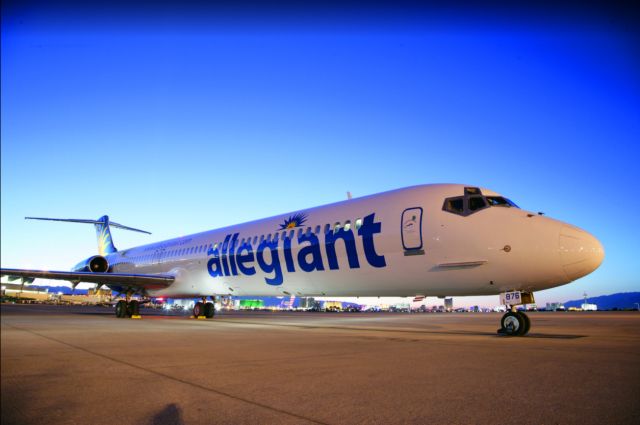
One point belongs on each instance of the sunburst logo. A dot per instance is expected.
(105, 241)
(295, 220)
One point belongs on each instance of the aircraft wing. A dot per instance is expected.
(137, 281)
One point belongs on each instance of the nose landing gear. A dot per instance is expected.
(515, 323)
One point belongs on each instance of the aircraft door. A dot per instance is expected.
(412, 231)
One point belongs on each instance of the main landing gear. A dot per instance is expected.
(514, 322)
(204, 309)
(128, 308)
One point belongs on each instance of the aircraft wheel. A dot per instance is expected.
(512, 324)
(133, 309)
(198, 309)
(121, 309)
(527, 324)
(209, 310)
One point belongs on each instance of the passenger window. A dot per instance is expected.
(327, 228)
(261, 238)
(358, 224)
(308, 232)
(336, 228)
(476, 203)
(347, 226)
(454, 205)
(317, 229)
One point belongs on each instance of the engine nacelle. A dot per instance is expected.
(95, 264)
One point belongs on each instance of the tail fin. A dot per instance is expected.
(103, 232)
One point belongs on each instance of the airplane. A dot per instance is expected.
(427, 240)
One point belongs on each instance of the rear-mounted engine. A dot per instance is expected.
(95, 264)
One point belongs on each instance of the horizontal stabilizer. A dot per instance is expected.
(81, 220)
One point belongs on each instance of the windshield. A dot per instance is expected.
(499, 201)
(473, 201)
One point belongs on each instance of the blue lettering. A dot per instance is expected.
(349, 244)
(274, 266)
(368, 229)
(225, 246)
(241, 259)
(230, 260)
(232, 247)
(288, 258)
(313, 250)
(215, 261)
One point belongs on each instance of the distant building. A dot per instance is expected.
(307, 302)
(589, 307)
(555, 307)
(106, 292)
(448, 304)
(251, 304)
(23, 291)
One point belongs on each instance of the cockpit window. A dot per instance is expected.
(454, 205)
(476, 203)
(473, 201)
(499, 201)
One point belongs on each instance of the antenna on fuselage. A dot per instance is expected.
(349, 197)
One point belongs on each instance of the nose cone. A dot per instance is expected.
(580, 252)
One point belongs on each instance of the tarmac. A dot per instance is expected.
(82, 365)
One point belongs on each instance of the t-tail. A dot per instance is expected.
(103, 231)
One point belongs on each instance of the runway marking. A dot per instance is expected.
(164, 375)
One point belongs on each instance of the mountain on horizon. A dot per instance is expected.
(621, 300)
(55, 289)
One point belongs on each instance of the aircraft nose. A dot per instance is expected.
(580, 252)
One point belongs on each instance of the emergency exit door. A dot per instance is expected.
(412, 230)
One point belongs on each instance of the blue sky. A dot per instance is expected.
(180, 119)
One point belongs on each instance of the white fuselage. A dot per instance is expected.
(397, 243)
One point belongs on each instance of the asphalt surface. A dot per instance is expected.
(81, 365)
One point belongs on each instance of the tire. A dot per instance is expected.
(198, 309)
(133, 308)
(513, 324)
(527, 324)
(121, 309)
(209, 310)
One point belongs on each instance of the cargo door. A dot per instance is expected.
(412, 231)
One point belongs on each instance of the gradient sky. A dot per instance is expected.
(180, 118)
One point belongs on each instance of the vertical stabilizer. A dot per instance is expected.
(105, 242)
